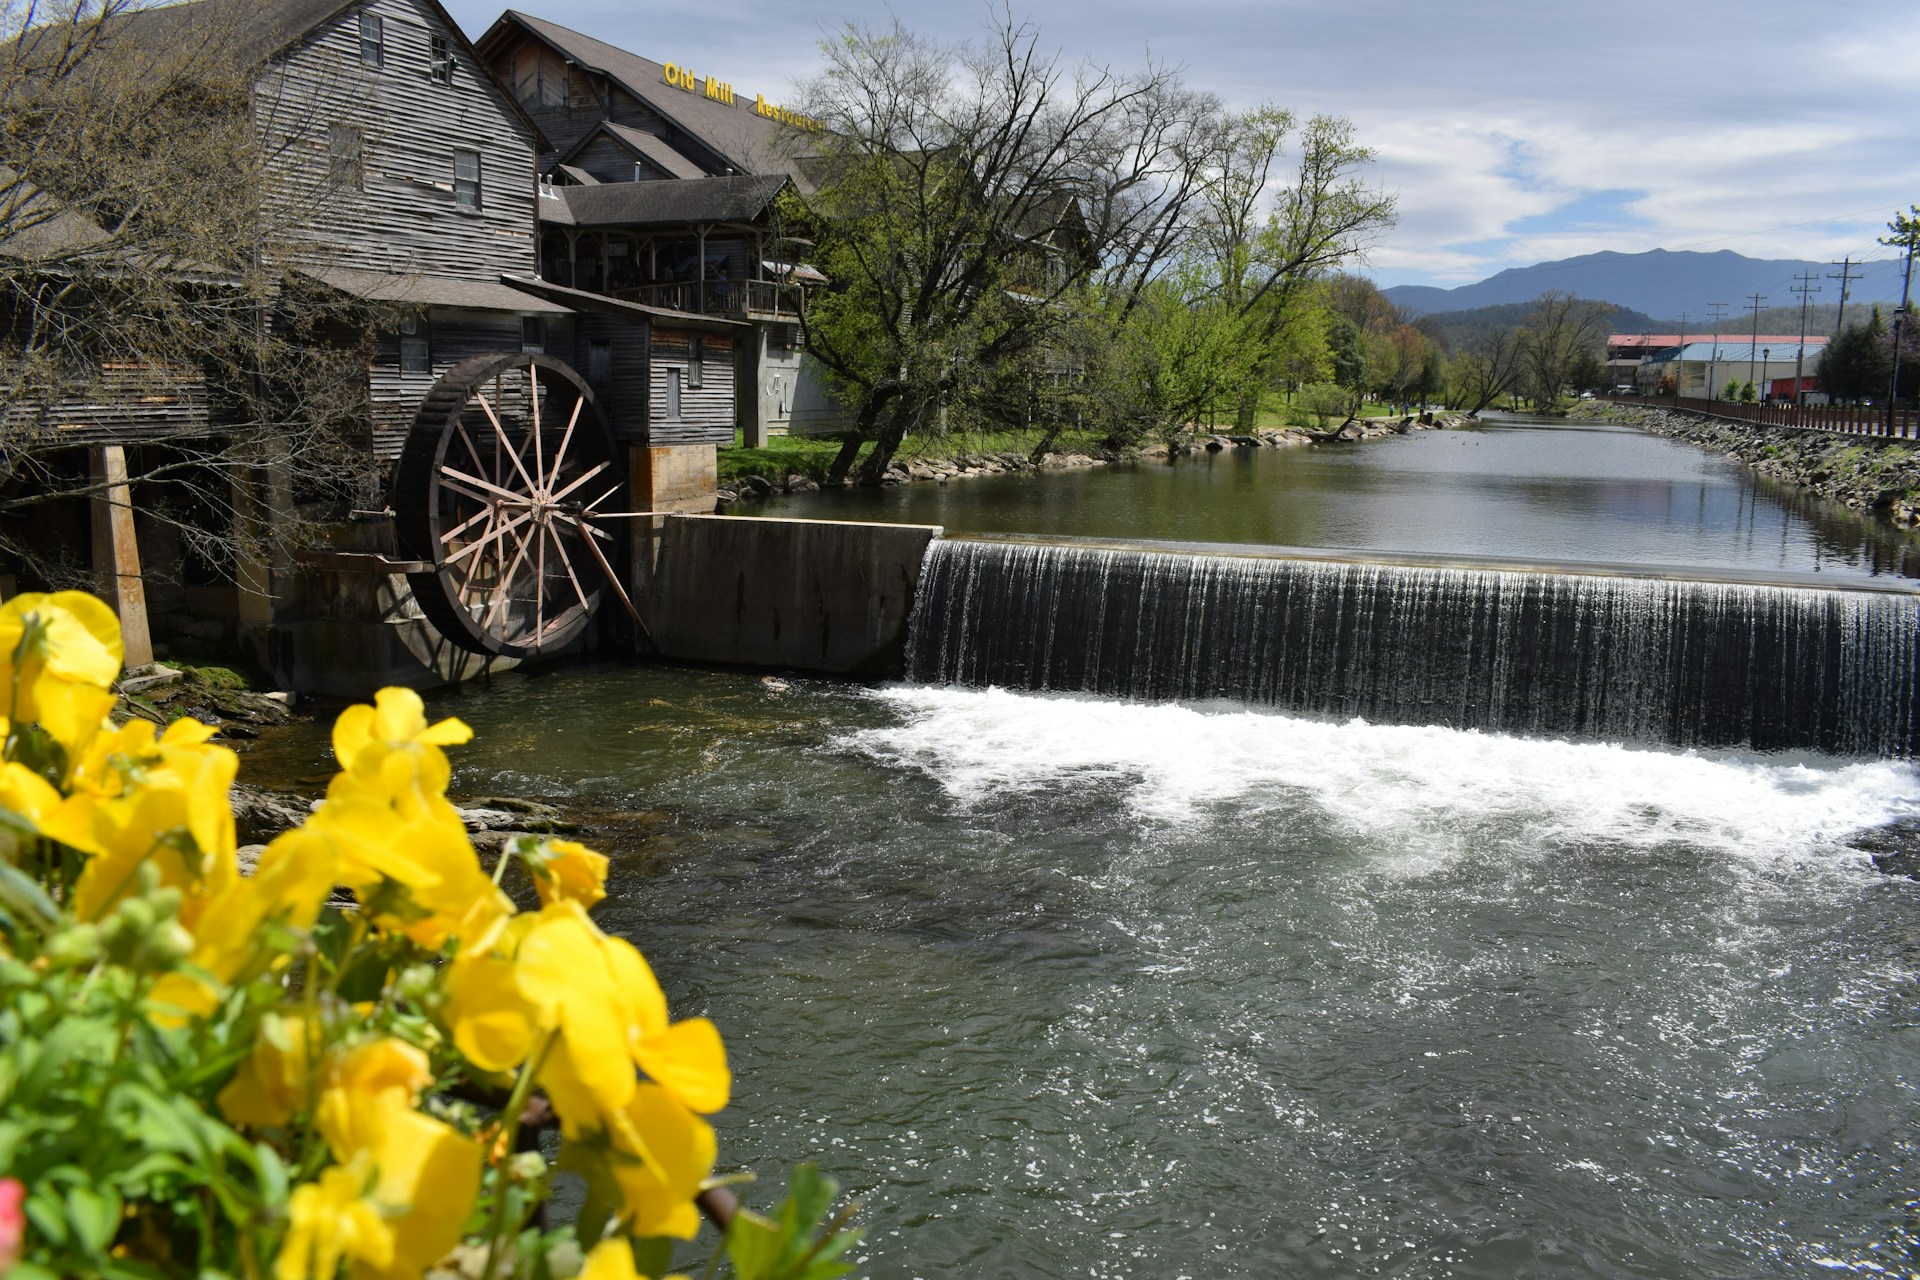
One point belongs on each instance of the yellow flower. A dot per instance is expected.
(613, 1260)
(424, 853)
(291, 883)
(26, 794)
(59, 656)
(331, 1222)
(273, 1084)
(428, 1173)
(563, 869)
(659, 1154)
(141, 799)
(368, 739)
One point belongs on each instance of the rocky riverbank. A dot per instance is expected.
(965, 466)
(1859, 472)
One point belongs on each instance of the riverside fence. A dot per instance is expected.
(1845, 420)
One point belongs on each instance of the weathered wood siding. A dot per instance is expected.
(706, 411)
(623, 392)
(403, 215)
(452, 336)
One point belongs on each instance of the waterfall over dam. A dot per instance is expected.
(1591, 655)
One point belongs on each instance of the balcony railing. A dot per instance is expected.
(738, 299)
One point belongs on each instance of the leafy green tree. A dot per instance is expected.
(967, 197)
(1858, 363)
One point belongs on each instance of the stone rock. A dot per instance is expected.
(1895, 847)
(260, 815)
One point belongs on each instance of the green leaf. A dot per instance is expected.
(48, 1215)
(94, 1213)
(23, 897)
(797, 1246)
(653, 1256)
(273, 1173)
(754, 1244)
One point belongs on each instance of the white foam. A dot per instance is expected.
(1175, 764)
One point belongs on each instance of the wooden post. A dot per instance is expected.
(116, 553)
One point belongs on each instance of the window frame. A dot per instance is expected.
(415, 331)
(347, 155)
(673, 407)
(467, 192)
(373, 39)
(696, 364)
(599, 361)
(533, 335)
(439, 58)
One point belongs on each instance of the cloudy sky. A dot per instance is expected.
(1513, 131)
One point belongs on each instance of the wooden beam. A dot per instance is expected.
(116, 553)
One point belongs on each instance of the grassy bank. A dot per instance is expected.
(810, 456)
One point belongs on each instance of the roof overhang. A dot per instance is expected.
(433, 291)
(581, 300)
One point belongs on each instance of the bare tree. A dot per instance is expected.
(142, 308)
(1558, 327)
(967, 198)
(1487, 369)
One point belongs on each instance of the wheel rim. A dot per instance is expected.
(505, 478)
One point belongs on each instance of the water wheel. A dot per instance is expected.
(505, 486)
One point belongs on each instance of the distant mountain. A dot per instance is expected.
(1659, 283)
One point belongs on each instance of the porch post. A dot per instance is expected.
(116, 553)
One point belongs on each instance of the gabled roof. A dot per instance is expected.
(646, 146)
(664, 204)
(747, 142)
(261, 30)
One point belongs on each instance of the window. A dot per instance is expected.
(416, 356)
(599, 361)
(696, 365)
(466, 179)
(345, 165)
(533, 334)
(673, 395)
(373, 39)
(439, 59)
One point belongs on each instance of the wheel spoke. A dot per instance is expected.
(580, 479)
(539, 576)
(533, 407)
(504, 591)
(498, 492)
(484, 513)
(492, 536)
(560, 549)
(613, 579)
(473, 569)
(560, 454)
(507, 441)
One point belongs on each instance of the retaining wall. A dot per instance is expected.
(812, 595)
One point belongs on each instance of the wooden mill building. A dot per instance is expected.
(404, 202)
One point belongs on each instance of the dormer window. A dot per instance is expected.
(373, 39)
(440, 59)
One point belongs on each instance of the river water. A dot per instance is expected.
(1509, 487)
(1062, 986)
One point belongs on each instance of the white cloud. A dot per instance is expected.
(1737, 124)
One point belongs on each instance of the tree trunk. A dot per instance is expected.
(1247, 412)
(843, 461)
(1045, 445)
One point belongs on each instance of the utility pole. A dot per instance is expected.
(1756, 301)
(1805, 288)
(1713, 355)
(1678, 352)
(1846, 276)
(1906, 235)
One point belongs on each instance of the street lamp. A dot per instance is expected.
(1766, 354)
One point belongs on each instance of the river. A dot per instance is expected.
(1064, 986)
(1540, 490)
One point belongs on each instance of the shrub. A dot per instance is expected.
(1326, 401)
(214, 1074)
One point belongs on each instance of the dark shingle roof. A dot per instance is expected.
(654, 151)
(431, 291)
(664, 204)
(750, 143)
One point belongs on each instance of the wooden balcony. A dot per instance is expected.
(735, 299)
